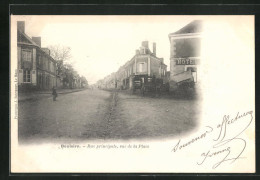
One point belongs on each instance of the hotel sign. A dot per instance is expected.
(186, 61)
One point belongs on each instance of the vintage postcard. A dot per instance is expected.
(132, 94)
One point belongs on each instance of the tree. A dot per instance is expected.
(84, 82)
(70, 78)
(62, 54)
(68, 75)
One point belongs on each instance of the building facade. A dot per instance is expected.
(37, 69)
(144, 62)
(185, 54)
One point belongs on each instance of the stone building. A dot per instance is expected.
(185, 54)
(144, 62)
(108, 82)
(37, 69)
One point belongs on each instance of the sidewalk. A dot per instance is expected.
(24, 96)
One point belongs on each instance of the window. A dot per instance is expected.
(162, 72)
(47, 81)
(192, 69)
(141, 67)
(194, 72)
(40, 78)
(51, 66)
(26, 76)
(27, 55)
(27, 58)
(46, 63)
(40, 62)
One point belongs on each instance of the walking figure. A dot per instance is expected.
(54, 93)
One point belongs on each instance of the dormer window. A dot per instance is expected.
(142, 50)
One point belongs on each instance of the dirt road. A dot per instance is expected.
(98, 114)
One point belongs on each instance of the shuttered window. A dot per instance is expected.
(27, 58)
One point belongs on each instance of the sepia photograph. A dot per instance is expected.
(150, 93)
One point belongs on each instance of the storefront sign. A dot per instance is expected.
(185, 61)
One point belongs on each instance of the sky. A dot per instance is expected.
(101, 44)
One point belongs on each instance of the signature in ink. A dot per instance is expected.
(179, 146)
(224, 144)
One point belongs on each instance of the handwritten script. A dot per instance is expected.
(227, 146)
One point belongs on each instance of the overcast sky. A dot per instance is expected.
(101, 44)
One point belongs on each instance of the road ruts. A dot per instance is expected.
(110, 114)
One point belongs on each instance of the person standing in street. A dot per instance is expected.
(54, 93)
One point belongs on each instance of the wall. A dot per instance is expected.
(183, 48)
(33, 73)
(129, 69)
(59, 83)
(176, 69)
(25, 64)
(188, 47)
(46, 68)
(141, 59)
(155, 64)
(20, 74)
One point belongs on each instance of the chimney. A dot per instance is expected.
(21, 26)
(46, 50)
(37, 40)
(154, 49)
(145, 44)
(137, 52)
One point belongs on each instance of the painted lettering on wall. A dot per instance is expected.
(185, 61)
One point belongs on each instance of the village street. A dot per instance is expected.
(97, 114)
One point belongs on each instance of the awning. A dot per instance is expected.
(186, 75)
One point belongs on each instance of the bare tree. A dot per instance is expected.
(65, 70)
(62, 54)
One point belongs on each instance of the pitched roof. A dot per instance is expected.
(33, 43)
(193, 27)
(28, 38)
